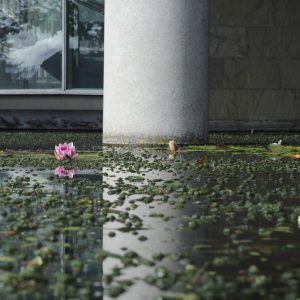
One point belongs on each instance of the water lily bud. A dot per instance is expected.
(173, 146)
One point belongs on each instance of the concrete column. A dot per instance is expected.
(156, 71)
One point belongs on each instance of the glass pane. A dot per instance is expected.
(30, 44)
(85, 43)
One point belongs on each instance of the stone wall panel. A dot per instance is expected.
(251, 73)
(216, 72)
(228, 42)
(290, 73)
(258, 42)
(254, 104)
(274, 42)
(286, 13)
(242, 13)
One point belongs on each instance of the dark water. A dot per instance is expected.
(206, 226)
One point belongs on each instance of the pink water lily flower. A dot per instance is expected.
(62, 172)
(65, 150)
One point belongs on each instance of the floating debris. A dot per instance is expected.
(275, 147)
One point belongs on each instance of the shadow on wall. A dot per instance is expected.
(51, 119)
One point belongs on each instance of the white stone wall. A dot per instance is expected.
(254, 65)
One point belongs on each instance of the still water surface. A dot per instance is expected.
(205, 226)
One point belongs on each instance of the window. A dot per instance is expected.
(51, 44)
(85, 44)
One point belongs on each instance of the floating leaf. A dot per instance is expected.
(71, 228)
(202, 160)
(7, 259)
(282, 229)
(183, 296)
(35, 263)
(7, 233)
(135, 178)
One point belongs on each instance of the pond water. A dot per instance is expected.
(133, 224)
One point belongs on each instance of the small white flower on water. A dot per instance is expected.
(275, 147)
(277, 144)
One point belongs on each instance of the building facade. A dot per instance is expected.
(52, 53)
(255, 65)
(51, 63)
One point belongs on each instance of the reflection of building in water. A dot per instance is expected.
(70, 244)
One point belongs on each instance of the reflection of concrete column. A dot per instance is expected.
(156, 63)
(163, 237)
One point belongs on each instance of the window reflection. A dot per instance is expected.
(85, 43)
(31, 41)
